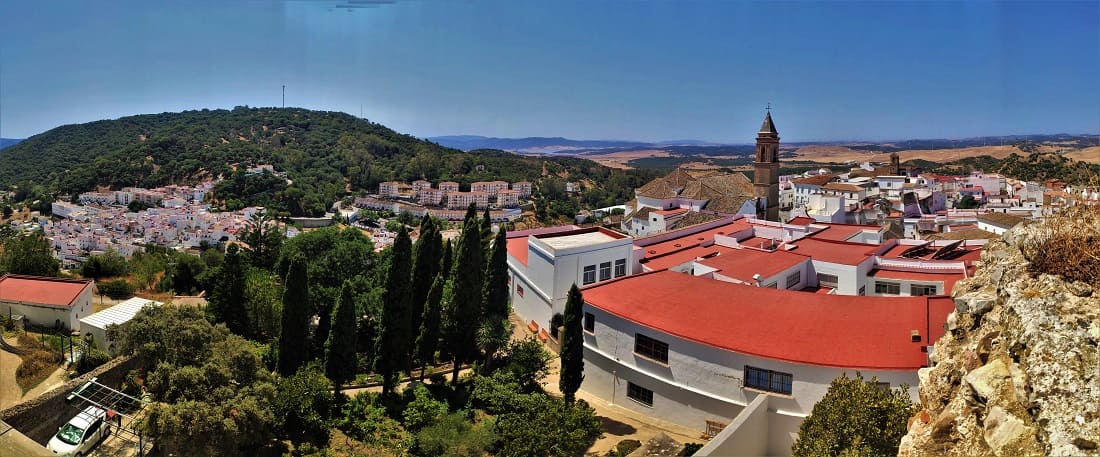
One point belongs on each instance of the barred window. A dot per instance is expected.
(650, 348)
(639, 394)
(589, 274)
(620, 268)
(768, 380)
(887, 288)
(605, 271)
(922, 289)
(827, 280)
(589, 322)
(793, 279)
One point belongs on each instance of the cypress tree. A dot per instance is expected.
(340, 359)
(395, 339)
(572, 346)
(486, 232)
(426, 263)
(294, 338)
(427, 340)
(227, 300)
(495, 328)
(464, 312)
(448, 260)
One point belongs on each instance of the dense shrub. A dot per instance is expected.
(117, 289)
(1067, 245)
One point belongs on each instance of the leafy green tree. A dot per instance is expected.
(184, 277)
(262, 294)
(427, 340)
(366, 421)
(528, 362)
(454, 436)
(464, 310)
(967, 202)
(572, 345)
(91, 357)
(340, 359)
(264, 238)
(395, 342)
(107, 265)
(294, 336)
(427, 250)
(422, 409)
(29, 255)
(543, 425)
(305, 404)
(227, 301)
(495, 328)
(855, 417)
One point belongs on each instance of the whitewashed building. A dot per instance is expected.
(46, 301)
(96, 324)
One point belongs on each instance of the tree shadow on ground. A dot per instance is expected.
(616, 428)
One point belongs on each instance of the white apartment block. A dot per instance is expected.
(420, 185)
(430, 196)
(489, 187)
(448, 186)
(507, 198)
(460, 200)
(524, 188)
(389, 189)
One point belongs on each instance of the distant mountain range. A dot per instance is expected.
(550, 145)
(5, 142)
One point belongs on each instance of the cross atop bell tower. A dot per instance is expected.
(766, 168)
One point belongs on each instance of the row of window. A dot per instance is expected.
(589, 276)
(893, 288)
(755, 378)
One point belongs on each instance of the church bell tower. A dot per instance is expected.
(766, 170)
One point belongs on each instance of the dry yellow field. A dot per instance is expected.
(841, 154)
(1090, 155)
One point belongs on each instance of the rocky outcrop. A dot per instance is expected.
(1018, 371)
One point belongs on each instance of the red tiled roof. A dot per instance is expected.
(802, 220)
(671, 212)
(742, 264)
(948, 279)
(827, 330)
(42, 290)
(676, 244)
(830, 251)
(517, 247)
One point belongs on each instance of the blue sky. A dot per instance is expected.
(592, 69)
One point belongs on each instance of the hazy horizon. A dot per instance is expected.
(647, 72)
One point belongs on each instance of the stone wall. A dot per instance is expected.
(39, 418)
(1018, 372)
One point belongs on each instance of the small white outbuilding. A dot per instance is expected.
(96, 324)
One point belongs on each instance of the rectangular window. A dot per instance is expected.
(650, 348)
(639, 394)
(768, 380)
(589, 274)
(887, 288)
(605, 271)
(519, 290)
(921, 289)
(826, 280)
(794, 279)
(620, 268)
(589, 322)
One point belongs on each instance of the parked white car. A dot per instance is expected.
(81, 433)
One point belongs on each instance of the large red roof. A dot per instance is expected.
(42, 290)
(688, 240)
(742, 264)
(827, 330)
(841, 232)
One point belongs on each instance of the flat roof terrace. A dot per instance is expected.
(576, 240)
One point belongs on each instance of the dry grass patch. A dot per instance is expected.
(1067, 245)
(38, 364)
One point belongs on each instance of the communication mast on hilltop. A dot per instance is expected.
(284, 95)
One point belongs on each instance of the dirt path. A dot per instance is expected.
(10, 392)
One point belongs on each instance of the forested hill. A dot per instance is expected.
(326, 155)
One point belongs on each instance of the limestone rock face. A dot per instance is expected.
(1018, 371)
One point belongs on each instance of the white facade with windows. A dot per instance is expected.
(696, 383)
(552, 262)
